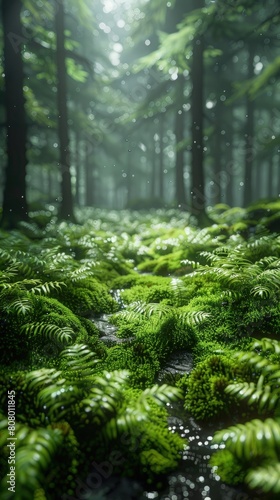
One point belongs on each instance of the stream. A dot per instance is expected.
(194, 478)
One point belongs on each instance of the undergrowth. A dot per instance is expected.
(167, 286)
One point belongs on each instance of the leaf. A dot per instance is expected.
(54, 332)
(266, 478)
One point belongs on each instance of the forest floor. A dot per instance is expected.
(130, 343)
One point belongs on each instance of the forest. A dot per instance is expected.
(139, 250)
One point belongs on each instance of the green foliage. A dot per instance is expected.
(71, 408)
(206, 397)
(229, 467)
(256, 443)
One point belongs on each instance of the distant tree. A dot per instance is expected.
(197, 106)
(66, 210)
(180, 191)
(14, 201)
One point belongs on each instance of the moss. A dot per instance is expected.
(204, 349)
(230, 469)
(149, 449)
(155, 293)
(87, 296)
(205, 397)
(164, 265)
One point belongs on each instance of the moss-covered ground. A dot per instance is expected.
(168, 286)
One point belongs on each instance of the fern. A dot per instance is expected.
(147, 310)
(53, 332)
(46, 376)
(252, 439)
(35, 452)
(193, 318)
(162, 394)
(46, 288)
(79, 358)
(19, 306)
(267, 478)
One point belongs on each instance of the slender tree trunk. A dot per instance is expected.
(217, 146)
(197, 73)
(77, 168)
(129, 179)
(66, 207)
(50, 184)
(229, 164)
(249, 136)
(88, 177)
(270, 179)
(161, 164)
(180, 192)
(153, 193)
(14, 198)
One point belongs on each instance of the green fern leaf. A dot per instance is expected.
(266, 477)
(53, 332)
(194, 317)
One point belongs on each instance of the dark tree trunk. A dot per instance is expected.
(197, 101)
(217, 147)
(270, 179)
(88, 176)
(77, 168)
(249, 136)
(161, 164)
(66, 211)
(229, 160)
(14, 198)
(180, 193)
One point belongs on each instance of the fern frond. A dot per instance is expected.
(19, 306)
(263, 394)
(46, 376)
(126, 422)
(261, 291)
(161, 394)
(53, 332)
(150, 309)
(193, 318)
(46, 288)
(256, 360)
(267, 344)
(209, 256)
(82, 272)
(266, 477)
(35, 453)
(251, 439)
(79, 358)
(104, 398)
(58, 398)
(192, 263)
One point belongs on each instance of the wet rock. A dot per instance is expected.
(107, 331)
(180, 362)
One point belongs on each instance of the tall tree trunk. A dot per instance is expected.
(66, 207)
(249, 136)
(77, 168)
(229, 199)
(14, 198)
(217, 147)
(88, 177)
(270, 179)
(153, 193)
(197, 101)
(180, 193)
(161, 165)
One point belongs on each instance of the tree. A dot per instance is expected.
(14, 203)
(66, 210)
